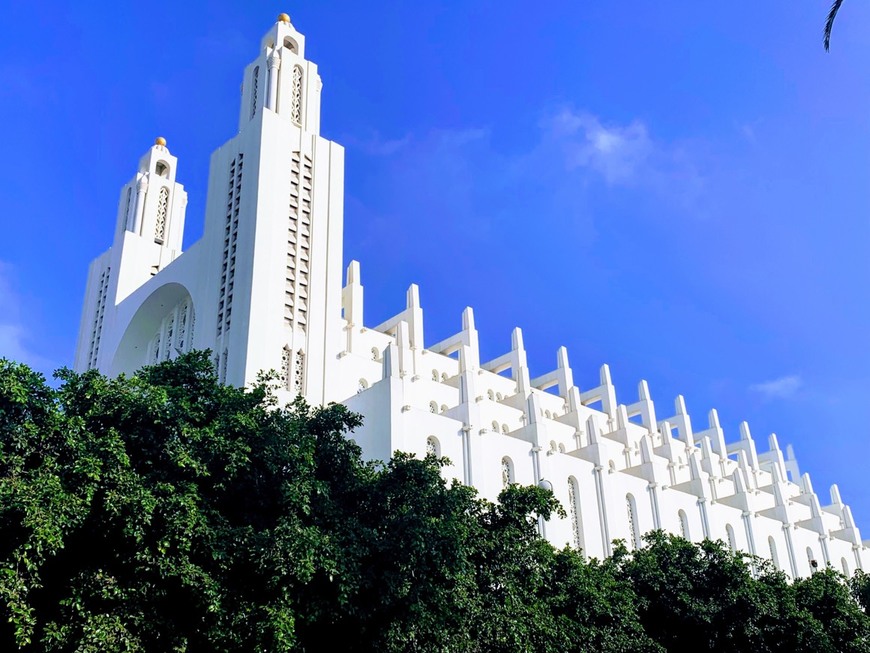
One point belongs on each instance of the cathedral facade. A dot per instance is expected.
(264, 289)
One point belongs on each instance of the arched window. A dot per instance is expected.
(548, 414)
(773, 555)
(504, 429)
(684, 524)
(162, 208)
(553, 446)
(433, 406)
(434, 375)
(633, 530)
(296, 102)
(498, 396)
(444, 377)
(376, 355)
(561, 448)
(507, 471)
(811, 559)
(729, 533)
(156, 348)
(183, 320)
(362, 386)
(490, 395)
(255, 90)
(845, 565)
(433, 447)
(574, 505)
(162, 168)
(495, 426)
(290, 44)
(443, 408)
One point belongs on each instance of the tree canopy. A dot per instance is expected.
(166, 512)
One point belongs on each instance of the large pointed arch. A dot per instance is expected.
(134, 348)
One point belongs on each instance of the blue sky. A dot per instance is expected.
(677, 189)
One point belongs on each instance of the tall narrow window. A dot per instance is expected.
(170, 332)
(845, 566)
(223, 371)
(773, 555)
(162, 208)
(732, 541)
(128, 222)
(184, 326)
(634, 539)
(507, 471)
(574, 505)
(432, 446)
(684, 524)
(296, 102)
(157, 344)
(255, 90)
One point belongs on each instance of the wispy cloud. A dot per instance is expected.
(377, 145)
(14, 334)
(616, 152)
(785, 387)
(480, 189)
(622, 155)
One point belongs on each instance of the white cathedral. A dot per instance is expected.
(263, 290)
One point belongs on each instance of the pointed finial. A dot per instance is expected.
(284, 18)
(160, 141)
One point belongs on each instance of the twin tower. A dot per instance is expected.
(262, 288)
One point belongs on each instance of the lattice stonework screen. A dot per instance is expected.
(299, 376)
(255, 91)
(575, 513)
(99, 312)
(162, 210)
(286, 375)
(632, 529)
(507, 472)
(231, 233)
(296, 102)
(298, 242)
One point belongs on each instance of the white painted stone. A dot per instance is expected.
(263, 290)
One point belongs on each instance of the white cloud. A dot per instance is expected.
(14, 340)
(589, 148)
(377, 145)
(617, 152)
(784, 387)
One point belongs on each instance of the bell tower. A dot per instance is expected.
(149, 227)
(274, 221)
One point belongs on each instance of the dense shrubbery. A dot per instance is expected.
(165, 512)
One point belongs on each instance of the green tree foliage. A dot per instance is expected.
(704, 597)
(165, 512)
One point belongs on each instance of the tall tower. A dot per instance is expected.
(274, 223)
(264, 283)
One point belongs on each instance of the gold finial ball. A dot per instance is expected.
(160, 141)
(284, 18)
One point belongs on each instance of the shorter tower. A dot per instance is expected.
(148, 233)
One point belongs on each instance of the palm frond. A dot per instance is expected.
(829, 23)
